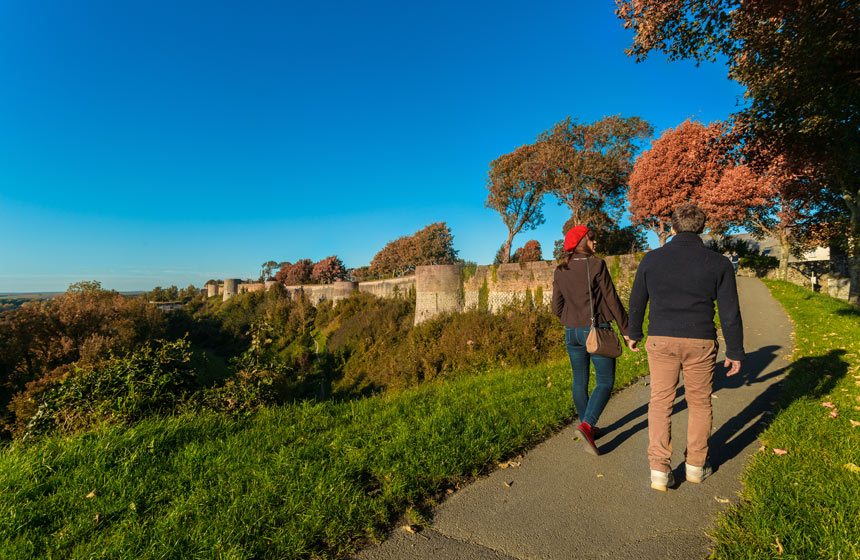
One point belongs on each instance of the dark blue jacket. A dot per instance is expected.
(682, 280)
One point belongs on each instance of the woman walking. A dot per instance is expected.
(582, 276)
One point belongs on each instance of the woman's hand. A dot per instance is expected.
(631, 344)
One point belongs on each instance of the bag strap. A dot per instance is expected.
(590, 301)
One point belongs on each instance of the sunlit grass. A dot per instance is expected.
(299, 481)
(806, 503)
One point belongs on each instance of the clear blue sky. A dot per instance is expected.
(159, 142)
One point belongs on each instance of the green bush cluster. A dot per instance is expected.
(760, 263)
(462, 342)
(156, 377)
(270, 348)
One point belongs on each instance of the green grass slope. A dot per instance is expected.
(299, 481)
(805, 503)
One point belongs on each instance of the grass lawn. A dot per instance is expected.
(310, 480)
(805, 503)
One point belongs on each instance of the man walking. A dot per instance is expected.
(682, 280)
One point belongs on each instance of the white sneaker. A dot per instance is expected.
(662, 480)
(698, 474)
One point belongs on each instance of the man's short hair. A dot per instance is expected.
(688, 217)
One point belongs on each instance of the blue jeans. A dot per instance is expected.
(588, 407)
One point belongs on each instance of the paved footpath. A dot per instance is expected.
(562, 503)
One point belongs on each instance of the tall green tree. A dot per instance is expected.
(587, 165)
(516, 184)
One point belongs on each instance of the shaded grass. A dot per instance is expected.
(310, 480)
(806, 503)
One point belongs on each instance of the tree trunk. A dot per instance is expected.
(853, 247)
(506, 254)
(784, 253)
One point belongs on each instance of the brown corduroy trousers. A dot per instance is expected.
(667, 357)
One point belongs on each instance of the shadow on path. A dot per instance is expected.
(751, 372)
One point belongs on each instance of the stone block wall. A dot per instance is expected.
(508, 284)
(515, 283)
(437, 291)
(390, 287)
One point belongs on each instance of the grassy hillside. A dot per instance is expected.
(297, 481)
(802, 490)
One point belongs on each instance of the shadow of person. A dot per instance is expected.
(752, 367)
(642, 411)
(811, 376)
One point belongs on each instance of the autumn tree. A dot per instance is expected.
(529, 252)
(433, 244)
(298, 273)
(799, 63)
(328, 270)
(586, 165)
(773, 195)
(516, 183)
(679, 166)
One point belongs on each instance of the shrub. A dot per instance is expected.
(760, 263)
(462, 342)
(154, 378)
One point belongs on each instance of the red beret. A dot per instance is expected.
(574, 236)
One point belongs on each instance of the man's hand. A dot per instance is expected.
(733, 365)
(631, 344)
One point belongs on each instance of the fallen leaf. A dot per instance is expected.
(721, 500)
(852, 467)
(714, 396)
(409, 529)
(834, 413)
(91, 494)
(97, 518)
(450, 490)
(828, 404)
(855, 423)
(600, 476)
(509, 484)
(779, 451)
(549, 384)
(779, 549)
(762, 448)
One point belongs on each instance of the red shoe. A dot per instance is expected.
(585, 431)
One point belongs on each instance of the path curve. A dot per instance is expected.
(562, 503)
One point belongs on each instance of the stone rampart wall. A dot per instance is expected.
(495, 286)
(390, 287)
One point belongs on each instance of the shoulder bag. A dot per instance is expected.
(601, 340)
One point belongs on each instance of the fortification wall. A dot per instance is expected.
(437, 290)
(443, 289)
(251, 287)
(315, 292)
(494, 287)
(390, 287)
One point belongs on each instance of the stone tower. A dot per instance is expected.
(437, 291)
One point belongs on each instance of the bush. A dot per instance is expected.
(154, 378)
(760, 263)
(401, 355)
